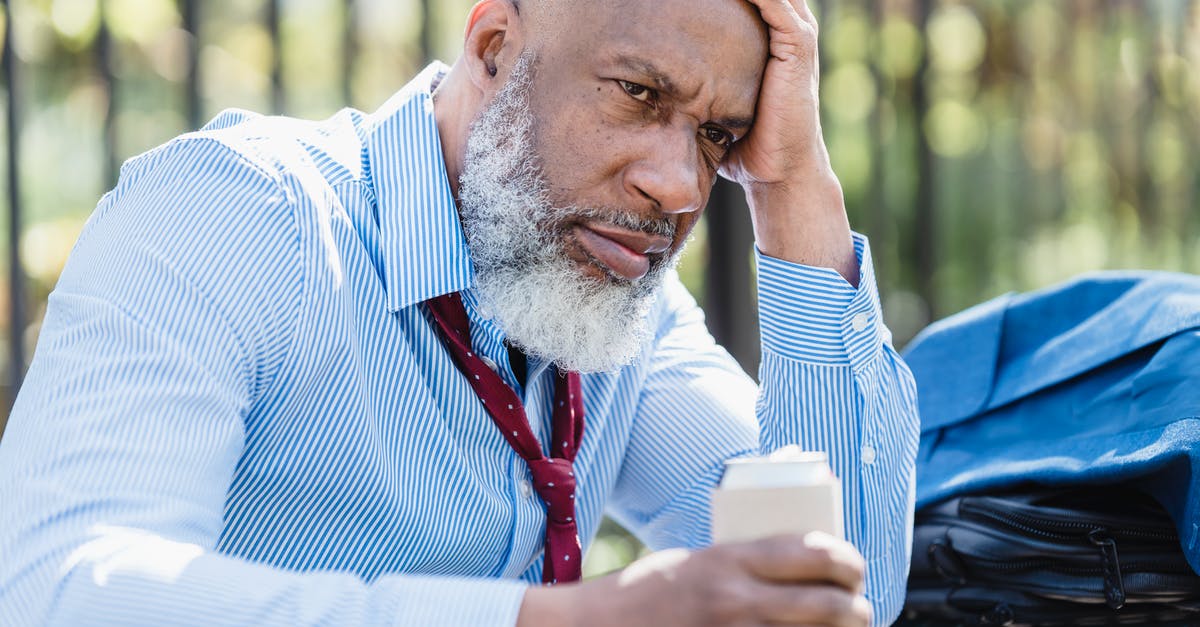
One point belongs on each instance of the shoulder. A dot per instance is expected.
(208, 221)
(243, 179)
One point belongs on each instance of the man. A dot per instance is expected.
(309, 373)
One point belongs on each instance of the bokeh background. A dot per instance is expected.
(984, 145)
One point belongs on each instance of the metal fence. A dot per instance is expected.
(984, 145)
(731, 310)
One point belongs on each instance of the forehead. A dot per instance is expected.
(700, 45)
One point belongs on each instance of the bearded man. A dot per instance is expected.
(394, 368)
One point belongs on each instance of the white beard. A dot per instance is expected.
(538, 295)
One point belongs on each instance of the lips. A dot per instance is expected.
(624, 252)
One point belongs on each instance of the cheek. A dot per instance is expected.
(582, 145)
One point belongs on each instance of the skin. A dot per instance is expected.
(640, 106)
(602, 146)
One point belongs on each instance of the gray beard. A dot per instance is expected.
(538, 295)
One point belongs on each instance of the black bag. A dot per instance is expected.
(1074, 556)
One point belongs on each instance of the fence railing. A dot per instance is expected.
(728, 295)
(983, 146)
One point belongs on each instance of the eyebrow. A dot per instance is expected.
(664, 84)
(736, 123)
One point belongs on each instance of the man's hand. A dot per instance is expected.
(786, 580)
(795, 198)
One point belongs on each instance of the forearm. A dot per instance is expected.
(805, 223)
(867, 425)
(130, 577)
(830, 381)
(543, 606)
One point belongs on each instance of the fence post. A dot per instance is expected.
(277, 95)
(16, 275)
(349, 51)
(188, 12)
(729, 305)
(104, 45)
(426, 32)
(925, 234)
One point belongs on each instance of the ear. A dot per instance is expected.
(493, 41)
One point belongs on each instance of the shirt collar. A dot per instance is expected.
(424, 252)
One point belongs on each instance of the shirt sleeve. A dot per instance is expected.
(170, 322)
(829, 381)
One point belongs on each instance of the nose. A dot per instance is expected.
(668, 171)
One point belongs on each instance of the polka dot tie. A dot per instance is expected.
(554, 476)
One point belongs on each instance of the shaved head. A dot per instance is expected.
(583, 140)
(551, 17)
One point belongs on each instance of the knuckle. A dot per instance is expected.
(858, 566)
(862, 610)
(730, 599)
(807, 36)
(822, 557)
(720, 555)
(830, 606)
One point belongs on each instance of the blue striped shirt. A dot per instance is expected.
(239, 413)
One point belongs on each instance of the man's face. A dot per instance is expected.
(585, 174)
(635, 104)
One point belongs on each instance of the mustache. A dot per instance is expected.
(625, 219)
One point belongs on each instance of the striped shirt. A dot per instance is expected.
(239, 412)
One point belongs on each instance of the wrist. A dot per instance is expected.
(544, 606)
(804, 222)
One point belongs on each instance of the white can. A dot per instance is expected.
(791, 491)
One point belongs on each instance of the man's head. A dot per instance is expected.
(589, 135)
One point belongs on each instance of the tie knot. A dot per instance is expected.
(554, 480)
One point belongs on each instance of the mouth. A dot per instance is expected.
(623, 252)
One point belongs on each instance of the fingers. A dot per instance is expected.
(816, 557)
(812, 605)
(782, 15)
(793, 29)
(805, 13)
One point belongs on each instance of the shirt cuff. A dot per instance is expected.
(814, 315)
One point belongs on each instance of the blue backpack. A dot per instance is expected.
(1058, 476)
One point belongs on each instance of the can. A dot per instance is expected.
(789, 492)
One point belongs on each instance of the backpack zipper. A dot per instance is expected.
(1057, 529)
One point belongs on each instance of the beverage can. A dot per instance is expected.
(790, 491)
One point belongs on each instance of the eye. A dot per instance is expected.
(718, 136)
(641, 93)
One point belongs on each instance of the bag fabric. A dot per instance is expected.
(1094, 382)
(1077, 408)
(1050, 557)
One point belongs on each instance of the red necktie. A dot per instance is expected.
(553, 478)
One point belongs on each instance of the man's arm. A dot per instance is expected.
(823, 336)
(830, 381)
(795, 199)
(170, 322)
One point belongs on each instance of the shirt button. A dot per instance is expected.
(869, 454)
(487, 361)
(526, 488)
(860, 322)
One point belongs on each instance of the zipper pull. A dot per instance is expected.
(946, 561)
(1114, 587)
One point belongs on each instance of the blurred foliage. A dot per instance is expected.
(984, 146)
